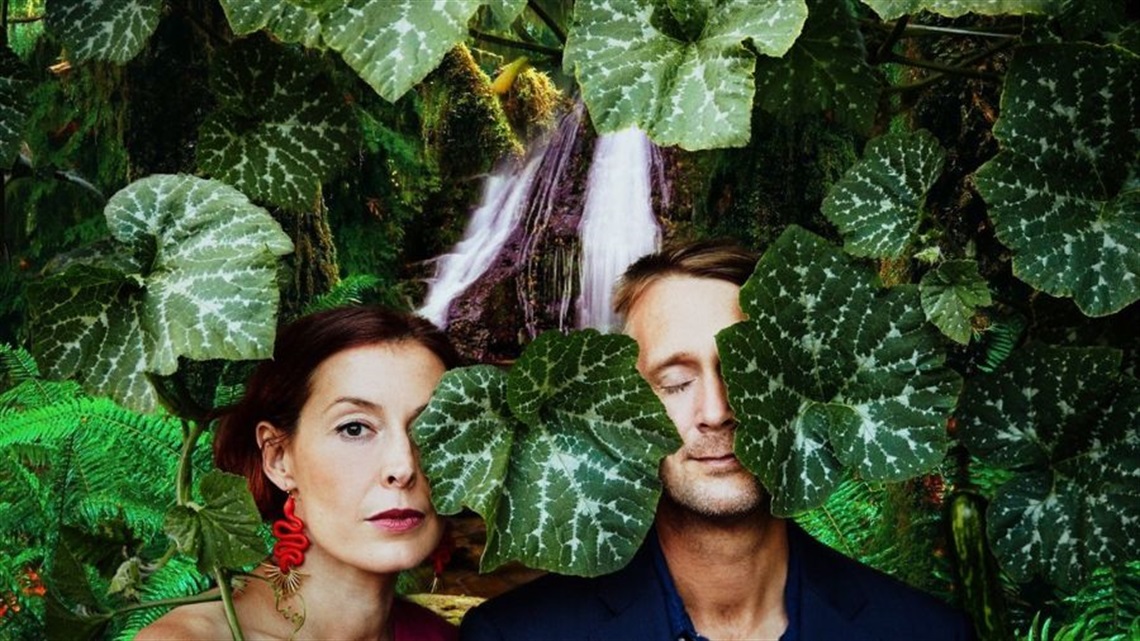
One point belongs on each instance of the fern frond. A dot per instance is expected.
(37, 393)
(18, 364)
(1107, 608)
(846, 521)
(1000, 340)
(178, 578)
(349, 291)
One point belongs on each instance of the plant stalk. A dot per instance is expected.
(204, 597)
(517, 44)
(930, 30)
(888, 45)
(224, 587)
(944, 68)
(547, 20)
(968, 60)
(191, 430)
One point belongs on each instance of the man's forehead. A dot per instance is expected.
(681, 315)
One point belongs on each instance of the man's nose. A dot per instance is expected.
(714, 411)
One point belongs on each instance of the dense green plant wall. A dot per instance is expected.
(938, 375)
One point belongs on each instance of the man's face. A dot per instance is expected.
(675, 322)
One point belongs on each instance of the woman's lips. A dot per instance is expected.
(401, 520)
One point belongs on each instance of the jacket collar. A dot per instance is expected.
(635, 601)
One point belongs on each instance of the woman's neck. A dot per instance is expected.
(334, 601)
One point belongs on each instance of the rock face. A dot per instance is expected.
(530, 286)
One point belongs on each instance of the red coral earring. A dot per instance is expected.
(289, 551)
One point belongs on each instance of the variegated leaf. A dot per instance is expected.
(680, 70)
(289, 22)
(393, 44)
(191, 272)
(825, 70)
(1068, 423)
(1059, 192)
(281, 129)
(832, 372)
(111, 30)
(951, 295)
(223, 533)
(891, 9)
(878, 204)
(559, 457)
(15, 85)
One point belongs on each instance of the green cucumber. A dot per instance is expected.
(978, 583)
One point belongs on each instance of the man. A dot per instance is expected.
(717, 564)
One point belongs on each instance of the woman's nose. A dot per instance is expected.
(400, 467)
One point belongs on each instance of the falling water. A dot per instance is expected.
(501, 210)
(550, 229)
(618, 225)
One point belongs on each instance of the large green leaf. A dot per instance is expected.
(223, 532)
(678, 70)
(394, 44)
(191, 272)
(891, 9)
(1069, 424)
(951, 294)
(832, 372)
(281, 128)
(14, 106)
(879, 201)
(559, 456)
(287, 21)
(111, 30)
(825, 69)
(1062, 192)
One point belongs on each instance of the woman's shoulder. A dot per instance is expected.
(414, 621)
(193, 621)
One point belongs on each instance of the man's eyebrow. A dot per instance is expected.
(678, 358)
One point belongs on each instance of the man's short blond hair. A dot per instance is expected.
(718, 259)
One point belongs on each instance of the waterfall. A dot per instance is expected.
(499, 213)
(618, 225)
(544, 231)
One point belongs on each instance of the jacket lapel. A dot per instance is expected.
(831, 595)
(633, 606)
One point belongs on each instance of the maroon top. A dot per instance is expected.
(417, 623)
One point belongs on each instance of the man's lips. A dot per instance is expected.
(397, 520)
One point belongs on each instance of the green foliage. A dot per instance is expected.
(281, 129)
(1107, 608)
(14, 88)
(559, 456)
(190, 272)
(808, 79)
(952, 292)
(831, 372)
(1063, 193)
(891, 9)
(223, 531)
(112, 30)
(682, 74)
(878, 204)
(1068, 424)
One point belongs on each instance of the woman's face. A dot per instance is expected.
(359, 488)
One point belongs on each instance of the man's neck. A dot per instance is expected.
(730, 574)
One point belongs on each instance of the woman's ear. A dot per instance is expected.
(275, 459)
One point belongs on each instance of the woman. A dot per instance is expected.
(321, 434)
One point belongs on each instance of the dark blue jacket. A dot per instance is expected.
(841, 600)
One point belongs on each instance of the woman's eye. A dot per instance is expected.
(674, 389)
(352, 430)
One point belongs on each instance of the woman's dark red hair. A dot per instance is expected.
(280, 386)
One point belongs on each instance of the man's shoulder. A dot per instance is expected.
(878, 601)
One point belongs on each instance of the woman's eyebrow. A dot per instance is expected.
(353, 400)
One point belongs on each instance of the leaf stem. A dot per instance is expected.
(930, 30)
(222, 578)
(202, 597)
(969, 60)
(547, 20)
(191, 430)
(943, 68)
(517, 44)
(889, 43)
